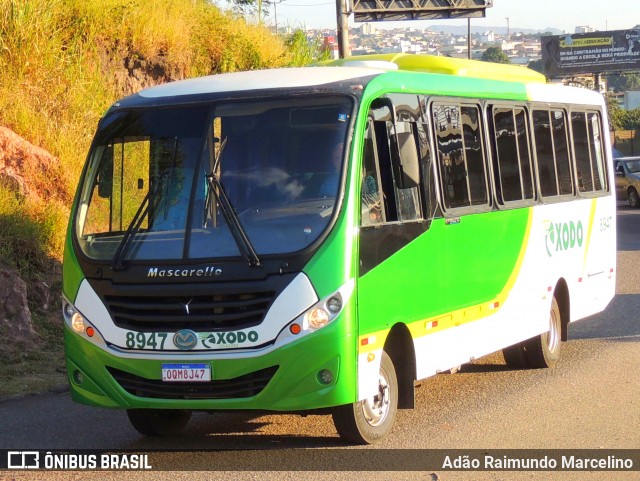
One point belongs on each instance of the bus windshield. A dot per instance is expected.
(213, 180)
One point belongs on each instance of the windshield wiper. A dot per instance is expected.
(117, 264)
(237, 231)
(216, 190)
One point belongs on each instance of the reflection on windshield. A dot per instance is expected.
(279, 163)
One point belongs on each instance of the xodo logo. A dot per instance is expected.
(562, 236)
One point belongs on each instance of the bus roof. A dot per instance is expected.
(258, 80)
(443, 65)
(343, 74)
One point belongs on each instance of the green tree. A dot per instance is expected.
(303, 50)
(616, 113)
(495, 55)
(623, 82)
(631, 120)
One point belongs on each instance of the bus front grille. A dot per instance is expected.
(240, 387)
(198, 312)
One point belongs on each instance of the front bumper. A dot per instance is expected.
(294, 386)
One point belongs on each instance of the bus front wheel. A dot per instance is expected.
(159, 422)
(370, 420)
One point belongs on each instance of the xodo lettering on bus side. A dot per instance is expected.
(562, 236)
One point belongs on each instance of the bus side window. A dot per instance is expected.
(458, 136)
(380, 150)
(554, 166)
(512, 160)
(473, 153)
(597, 156)
(545, 156)
(580, 137)
(587, 146)
(370, 195)
(426, 168)
(407, 197)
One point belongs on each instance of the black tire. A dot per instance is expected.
(634, 199)
(515, 356)
(159, 422)
(544, 350)
(370, 421)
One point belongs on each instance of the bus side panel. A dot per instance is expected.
(472, 288)
(447, 277)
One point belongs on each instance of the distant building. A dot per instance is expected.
(367, 29)
(632, 99)
(489, 36)
(585, 29)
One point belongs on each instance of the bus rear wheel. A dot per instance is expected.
(540, 351)
(370, 420)
(544, 350)
(159, 422)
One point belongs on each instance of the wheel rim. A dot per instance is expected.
(376, 408)
(633, 198)
(553, 336)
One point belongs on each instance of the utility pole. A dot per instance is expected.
(469, 38)
(275, 15)
(342, 32)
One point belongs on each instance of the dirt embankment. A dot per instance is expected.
(20, 159)
(22, 168)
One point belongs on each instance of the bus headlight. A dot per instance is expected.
(323, 312)
(318, 315)
(316, 318)
(77, 322)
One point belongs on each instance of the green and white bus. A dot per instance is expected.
(318, 239)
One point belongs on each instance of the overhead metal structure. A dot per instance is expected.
(392, 10)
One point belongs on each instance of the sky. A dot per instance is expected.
(538, 14)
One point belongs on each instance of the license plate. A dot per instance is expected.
(186, 372)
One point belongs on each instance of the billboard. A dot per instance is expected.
(392, 10)
(589, 53)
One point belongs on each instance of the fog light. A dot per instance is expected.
(334, 304)
(78, 378)
(325, 376)
(77, 322)
(317, 318)
(69, 310)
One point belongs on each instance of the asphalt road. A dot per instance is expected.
(591, 400)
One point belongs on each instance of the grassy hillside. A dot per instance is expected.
(63, 62)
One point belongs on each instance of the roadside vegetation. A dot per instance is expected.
(62, 64)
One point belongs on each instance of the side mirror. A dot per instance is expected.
(104, 179)
(405, 158)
